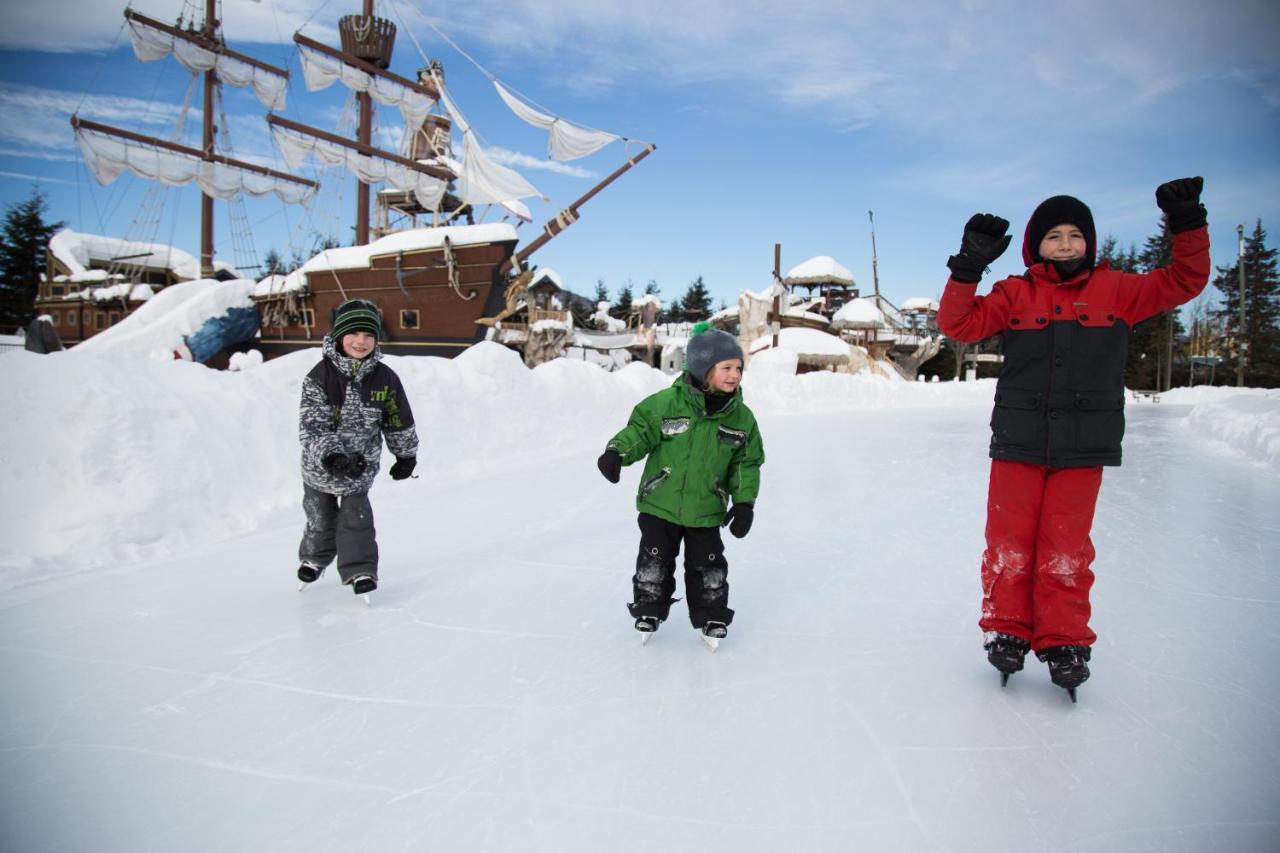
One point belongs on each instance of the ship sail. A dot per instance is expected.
(565, 140)
(109, 151)
(368, 164)
(153, 40)
(322, 66)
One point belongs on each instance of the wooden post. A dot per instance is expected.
(775, 314)
(364, 135)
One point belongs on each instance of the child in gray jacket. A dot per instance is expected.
(351, 402)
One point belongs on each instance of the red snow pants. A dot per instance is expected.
(1035, 570)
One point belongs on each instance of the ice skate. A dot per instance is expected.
(362, 585)
(712, 633)
(1006, 653)
(646, 625)
(1068, 666)
(308, 573)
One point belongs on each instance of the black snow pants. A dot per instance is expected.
(705, 571)
(341, 526)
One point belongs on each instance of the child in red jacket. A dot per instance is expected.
(1059, 409)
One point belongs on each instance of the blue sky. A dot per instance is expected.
(771, 126)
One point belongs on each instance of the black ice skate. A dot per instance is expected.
(308, 573)
(363, 585)
(646, 625)
(712, 633)
(1006, 653)
(1068, 667)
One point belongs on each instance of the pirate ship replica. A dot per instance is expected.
(441, 284)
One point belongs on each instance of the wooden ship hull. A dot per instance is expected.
(430, 298)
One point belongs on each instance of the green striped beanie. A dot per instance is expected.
(356, 315)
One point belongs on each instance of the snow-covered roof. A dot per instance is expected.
(550, 275)
(125, 290)
(275, 284)
(920, 303)
(410, 240)
(646, 299)
(803, 341)
(859, 314)
(77, 251)
(822, 268)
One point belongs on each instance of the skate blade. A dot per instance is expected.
(368, 601)
(713, 643)
(1071, 691)
(644, 637)
(1004, 679)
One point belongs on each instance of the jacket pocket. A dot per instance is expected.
(675, 426)
(1018, 420)
(650, 485)
(1100, 420)
(734, 438)
(720, 493)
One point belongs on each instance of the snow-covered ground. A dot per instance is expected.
(167, 688)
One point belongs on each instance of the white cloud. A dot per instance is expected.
(40, 179)
(525, 161)
(33, 116)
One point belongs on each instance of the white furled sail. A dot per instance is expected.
(107, 157)
(150, 44)
(480, 180)
(294, 147)
(320, 71)
(565, 140)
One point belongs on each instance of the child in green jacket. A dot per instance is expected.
(703, 472)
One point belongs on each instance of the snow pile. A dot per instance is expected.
(820, 268)
(804, 341)
(76, 251)
(920, 303)
(859, 314)
(1242, 422)
(159, 327)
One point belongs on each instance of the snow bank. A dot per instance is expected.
(160, 326)
(1241, 422)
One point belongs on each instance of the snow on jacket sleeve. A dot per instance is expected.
(965, 316)
(397, 422)
(744, 470)
(642, 432)
(1143, 295)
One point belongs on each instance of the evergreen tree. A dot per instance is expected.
(1261, 336)
(1152, 342)
(623, 306)
(602, 292)
(24, 237)
(696, 303)
(273, 264)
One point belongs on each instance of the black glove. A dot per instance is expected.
(739, 518)
(356, 465)
(984, 240)
(337, 464)
(403, 467)
(1180, 201)
(610, 464)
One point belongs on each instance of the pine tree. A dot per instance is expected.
(602, 292)
(696, 303)
(1261, 336)
(1150, 363)
(24, 237)
(623, 306)
(273, 264)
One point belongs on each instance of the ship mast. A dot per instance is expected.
(207, 41)
(364, 135)
(206, 200)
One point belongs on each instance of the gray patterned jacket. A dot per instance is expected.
(349, 406)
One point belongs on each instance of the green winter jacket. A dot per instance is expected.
(697, 462)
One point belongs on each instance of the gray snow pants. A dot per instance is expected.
(341, 526)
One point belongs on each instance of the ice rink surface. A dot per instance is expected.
(495, 696)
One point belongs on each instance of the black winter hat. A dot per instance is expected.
(707, 348)
(356, 315)
(1056, 211)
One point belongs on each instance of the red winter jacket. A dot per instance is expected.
(1060, 397)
